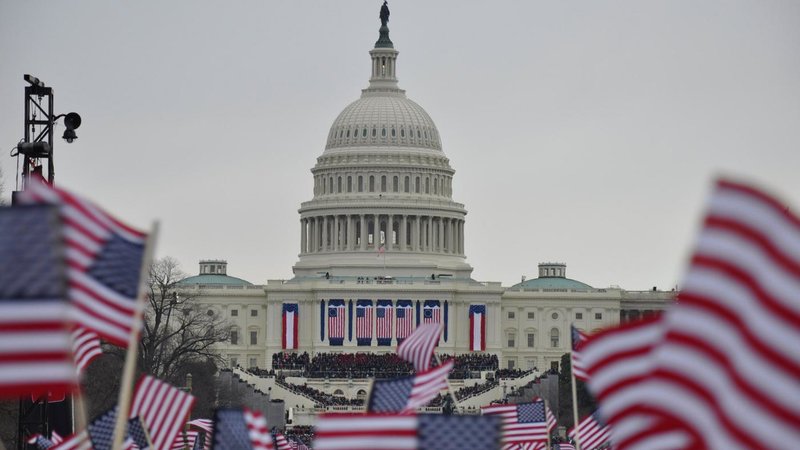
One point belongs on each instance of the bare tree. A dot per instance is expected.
(177, 330)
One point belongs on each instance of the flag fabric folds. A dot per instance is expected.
(723, 372)
(578, 337)
(364, 322)
(336, 322)
(593, 433)
(523, 423)
(101, 430)
(77, 441)
(241, 429)
(35, 343)
(405, 319)
(104, 261)
(419, 346)
(86, 347)
(41, 442)
(185, 439)
(290, 322)
(383, 322)
(162, 407)
(281, 443)
(477, 328)
(405, 432)
(408, 393)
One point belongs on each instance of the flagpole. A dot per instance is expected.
(124, 400)
(546, 426)
(78, 406)
(575, 409)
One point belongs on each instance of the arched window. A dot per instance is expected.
(427, 185)
(338, 393)
(405, 184)
(402, 132)
(372, 183)
(416, 185)
(364, 133)
(383, 132)
(330, 185)
(393, 132)
(374, 131)
(349, 183)
(395, 184)
(339, 185)
(361, 394)
(436, 185)
(383, 183)
(554, 338)
(360, 183)
(234, 335)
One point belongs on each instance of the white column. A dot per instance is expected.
(325, 233)
(335, 236)
(461, 236)
(313, 235)
(403, 231)
(389, 231)
(303, 242)
(440, 247)
(363, 232)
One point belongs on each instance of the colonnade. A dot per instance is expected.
(396, 232)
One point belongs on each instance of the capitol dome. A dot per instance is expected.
(382, 120)
(382, 186)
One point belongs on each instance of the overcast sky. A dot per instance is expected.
(584, 132)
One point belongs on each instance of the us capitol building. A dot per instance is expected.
(381, 246)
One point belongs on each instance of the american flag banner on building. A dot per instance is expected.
(477, 328)
(523, 423)
(384, 315)
(162, 407)
(290, 325)
(593, 433)
(431, 312)
(727, 367)
(408, 393)
(578, 337)
(86, 347)
(336, 322)
(35, 343)
(241, 429)
(405, 319)
(406, 432)
(364, 322)
(419, 346)
(104, 261)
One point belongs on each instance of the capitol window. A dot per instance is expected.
(531, 315)
(395, 184)
(349, 184)
(402, 132)
(554, 338)
(360, 183)
(578, 316)
(234, 337)
(511, 341)
(511, 314)
(374, 132)
(405, 185)
(383, 132)
(234, 313)
(393, 132)
(598, 316)
(371, 183)
(253, 337)
(531, 340)
(364, 133)
(383, 183)
(555, 316)
(253, 313)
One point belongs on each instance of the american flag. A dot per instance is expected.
(523, 423)
(419, 346)
(77, 441)
(383, 322)
(104, 260)
(185, 439)
(162, 407)
(364, 322)
(35, 344)
(408, 393)
(101, 432)
(241, 429)
(477, 328)
(578, 337)
(405, 432)
(290, 324)
(56, 438)
(431, 312)
(207, 427)
(593, 433)
(41, 442)
(281, 443)
(86, 347)
(726, 370)
(336, 322)
(564, 446)
(405, 319)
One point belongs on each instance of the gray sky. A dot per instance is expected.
(585, 132)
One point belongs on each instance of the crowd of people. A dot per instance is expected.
(469, 391)
(301, 433)
(512, 373)
(369, 365)
(319, 397)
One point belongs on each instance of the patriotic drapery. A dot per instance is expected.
(431, 312)
(384, 313)
(364, 322)
(477, 328)
(336, 321)
(290, 325)
(104, 260)
(36, 349)
(405, 319)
